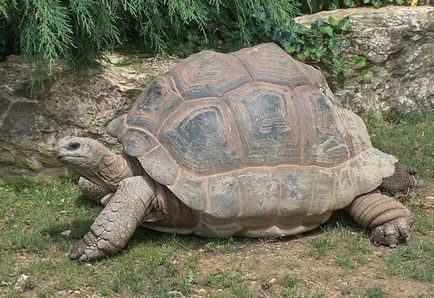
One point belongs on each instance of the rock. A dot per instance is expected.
(66, 233)
(24, 283)
(71, 104)
(202, 292)
(397, 43)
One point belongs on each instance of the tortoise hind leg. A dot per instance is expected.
(113, 227)
(389, 220)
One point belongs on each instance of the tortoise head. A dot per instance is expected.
(95, 162)
(81, 155)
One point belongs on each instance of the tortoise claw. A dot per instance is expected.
(86, 249)
(392, 233)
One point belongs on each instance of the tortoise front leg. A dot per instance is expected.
(389, 220)
(119, 219)
(94, 191)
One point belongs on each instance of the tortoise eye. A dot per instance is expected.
(73, 146)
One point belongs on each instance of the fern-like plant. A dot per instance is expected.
(80, 31)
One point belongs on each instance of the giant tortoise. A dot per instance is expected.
(250, 143)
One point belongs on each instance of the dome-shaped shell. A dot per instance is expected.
(251, 133)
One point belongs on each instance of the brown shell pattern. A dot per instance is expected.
(250, 132)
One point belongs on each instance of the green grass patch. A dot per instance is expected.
(375, 292)
(231, 283)
(410, 137)
(320, 246)
(33, 214)
(415, 261)
(289, 281)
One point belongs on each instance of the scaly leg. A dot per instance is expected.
(94, 191)
(114, 226)
(389, 220)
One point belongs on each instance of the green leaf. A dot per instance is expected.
(327, 30)
(345, 23)
(334, 45)
(349, 3)
(360, 62)
(365, 75)
(332, 21)
(377, 3)
(289, 49)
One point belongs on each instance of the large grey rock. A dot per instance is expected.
(71, 104)
(398, 45)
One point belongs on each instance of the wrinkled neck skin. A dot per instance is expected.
(108, 169)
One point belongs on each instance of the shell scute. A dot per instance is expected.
(209, 74)
(202, 139)
(269, 63)
(160, 165)
(154, 104)
(265, 121)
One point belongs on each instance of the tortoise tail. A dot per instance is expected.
(403, 180)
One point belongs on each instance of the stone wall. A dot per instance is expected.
(71, 104)
(398, 45)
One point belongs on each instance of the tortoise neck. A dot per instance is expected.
(112, 168)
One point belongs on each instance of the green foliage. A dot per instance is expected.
(9, 17)
(79, 31)
(360, 62)
(46, 34)
(321, 43)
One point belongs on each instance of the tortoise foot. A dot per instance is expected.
(392, 233)
(86, 249)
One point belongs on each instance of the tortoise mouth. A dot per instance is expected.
(69, 159)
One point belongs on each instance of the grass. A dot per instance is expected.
(375, 292)
(34, 213)
(410, 137)
(320, 246)
(416, 261)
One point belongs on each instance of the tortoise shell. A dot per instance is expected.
(252, 133)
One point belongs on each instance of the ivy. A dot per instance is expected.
(322, 43)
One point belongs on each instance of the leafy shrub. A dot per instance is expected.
(79, 31)
(319, 44)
